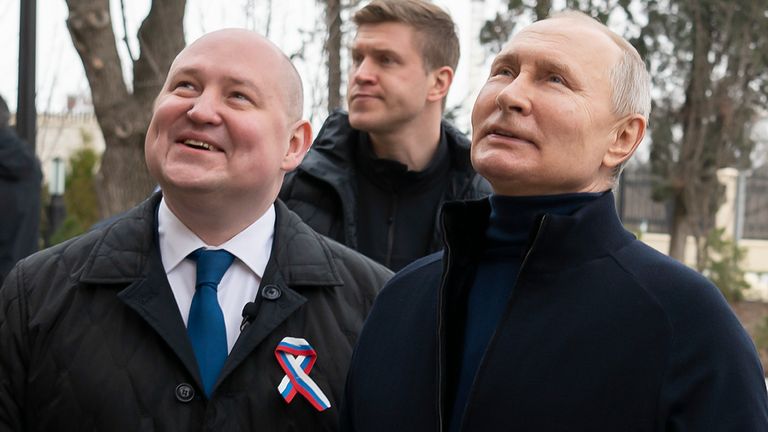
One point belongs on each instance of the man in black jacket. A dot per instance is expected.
(210, 306)
(19, 194)
(376, 177)
(542, 313)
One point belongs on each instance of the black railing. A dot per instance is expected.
(756, 207)
(641, 212)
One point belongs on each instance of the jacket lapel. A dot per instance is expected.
(271, 314)
(133, 236)
(153, 300)
(299, 260)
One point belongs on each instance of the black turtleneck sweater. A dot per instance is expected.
(397, 208)
(507, 240)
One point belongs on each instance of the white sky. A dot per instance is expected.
(60, 72)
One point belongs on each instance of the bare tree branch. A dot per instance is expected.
(125, 31)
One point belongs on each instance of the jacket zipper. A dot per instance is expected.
(440, 395)
(391, 231)
(440, 348)
(530, 249)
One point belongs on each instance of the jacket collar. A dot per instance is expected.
(297, 255)
(336, 141)
(130, 236)
(299, 260)
(592, 232)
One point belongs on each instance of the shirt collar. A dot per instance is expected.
(252, 245)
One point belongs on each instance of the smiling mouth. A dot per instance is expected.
(201, 145)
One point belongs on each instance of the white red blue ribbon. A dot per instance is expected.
(296, 356)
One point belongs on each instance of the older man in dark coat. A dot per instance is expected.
(544, 314)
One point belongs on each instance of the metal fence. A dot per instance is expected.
(756, 207)
(641, 212)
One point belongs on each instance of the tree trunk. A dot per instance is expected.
(333, 49)
(679, 230)
(542, 9)
(693, 173)
(123, 180)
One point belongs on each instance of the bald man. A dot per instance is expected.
(544, 314)
(210, 306)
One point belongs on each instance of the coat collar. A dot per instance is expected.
(592, 232)
(337, 139)
(298, 254)
(127, 254)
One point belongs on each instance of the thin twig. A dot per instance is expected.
(125, 31)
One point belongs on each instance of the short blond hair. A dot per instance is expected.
(437, 31)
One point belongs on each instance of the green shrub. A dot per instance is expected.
(723, 265)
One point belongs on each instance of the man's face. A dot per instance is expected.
(220, 123)
(543, 121)
(388, 84)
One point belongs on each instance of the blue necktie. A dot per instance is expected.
(205, 324)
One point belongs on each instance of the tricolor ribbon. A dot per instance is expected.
(297, 357)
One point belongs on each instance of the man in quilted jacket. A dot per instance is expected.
(210, 306)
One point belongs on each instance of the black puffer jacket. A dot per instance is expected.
(322, 191)
(92, 338)
(20, 197)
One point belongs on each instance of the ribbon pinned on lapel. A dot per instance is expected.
(297, 357)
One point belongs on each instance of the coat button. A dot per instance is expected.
(185, 392)
(271, 292)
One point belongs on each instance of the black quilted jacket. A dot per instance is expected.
(92, 339)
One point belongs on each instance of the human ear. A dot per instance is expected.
(627, 136)
(298, 145)
(440, 83)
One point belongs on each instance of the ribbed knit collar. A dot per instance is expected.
(512, 218)
(590, 232)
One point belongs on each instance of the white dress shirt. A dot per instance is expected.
(240, 284)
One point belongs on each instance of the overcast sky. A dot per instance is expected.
(60, 72)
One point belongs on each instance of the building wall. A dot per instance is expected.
(60, 135)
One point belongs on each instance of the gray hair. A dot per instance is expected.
(630, 84)
(630, 80)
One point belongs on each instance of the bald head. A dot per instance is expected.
(273, 64)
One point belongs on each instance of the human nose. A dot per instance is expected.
(363, 72)
(205, 109)
(515, 96)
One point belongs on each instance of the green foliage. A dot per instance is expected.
(80, 193)
(723, 265)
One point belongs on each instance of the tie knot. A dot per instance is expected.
(211, 265)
